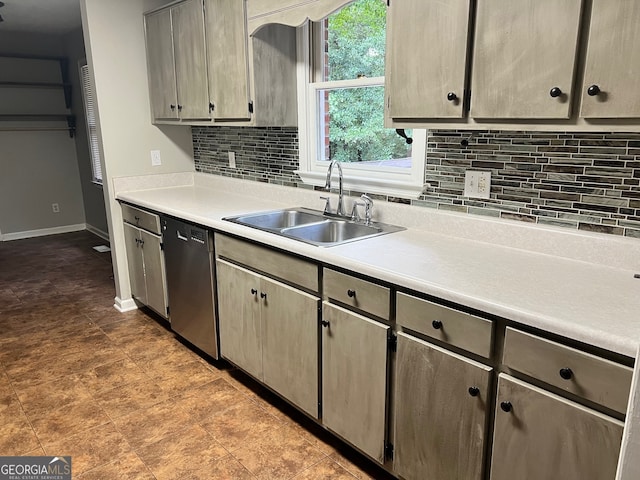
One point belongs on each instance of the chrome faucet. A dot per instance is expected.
(340, 207)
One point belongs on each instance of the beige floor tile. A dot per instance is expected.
(131, 397)
(190, 452)
(279, 453)
(240, 424)
(127, 466)
(41, 399)
(210, 399)
(113, 375)
(16, 435)
(326, 469)
(69, 420)
(91, 448)
(152, 424)
(178, 378)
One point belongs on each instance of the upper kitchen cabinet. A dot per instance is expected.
(226, 28)
(609, 88)
(176, 57)
(430, 81)
(524, 58)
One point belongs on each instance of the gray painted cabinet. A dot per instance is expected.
(135, 262)
(523, 50)
(354, 378)
(270, 330)
(426, 82)
(613, 61)
(539, 435)
(176, 62)
(440, 414)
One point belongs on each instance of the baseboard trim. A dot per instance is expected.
(43, 232)
(98, 232)
(125, 305)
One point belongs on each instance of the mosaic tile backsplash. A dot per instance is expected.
(587, 181)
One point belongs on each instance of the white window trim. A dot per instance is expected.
(383, 181)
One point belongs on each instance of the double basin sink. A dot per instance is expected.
(312, 226)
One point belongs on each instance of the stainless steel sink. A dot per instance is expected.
(312, 226)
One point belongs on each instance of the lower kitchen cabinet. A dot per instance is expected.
(146, 268)
(270, 330)
(354, 378)
(440, 415)
(539, 435)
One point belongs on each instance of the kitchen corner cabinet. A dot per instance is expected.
(612, 66)
(539, 435)
(143, 244)
(524, 58)
(268, 328)
(354, 378)
(429, 81)
(176, 57)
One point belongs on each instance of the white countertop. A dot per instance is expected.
(588, 302)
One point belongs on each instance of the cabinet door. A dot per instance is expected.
(226, 27)
(613, 60)
(135, 262)
(161, 65)
(422, 69)
(154, 272)
(191, 61)
(441, 402)
(354, 374)
(523, 50)
(544, 436)
(239, 317)
(290, 343)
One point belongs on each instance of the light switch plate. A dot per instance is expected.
(477, 183)
(155, 158)
(232, 159)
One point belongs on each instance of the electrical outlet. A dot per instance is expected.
(55, 207)
(477, 183)
(232, 159)
(155, 158)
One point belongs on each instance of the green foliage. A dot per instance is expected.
(356, 44)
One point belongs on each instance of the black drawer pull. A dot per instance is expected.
(263, 295)
(351, 293)
(566, 373)
(506, 406)
(253, 291)
(324, 323)
(437, 324)
(474, 391)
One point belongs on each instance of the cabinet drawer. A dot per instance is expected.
(456, 328)
(588, 376)
(280, 265)
(361, 294)
(140, 218)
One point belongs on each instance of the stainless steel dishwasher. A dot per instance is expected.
(188, 251)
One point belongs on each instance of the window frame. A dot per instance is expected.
(406, 183)
(88, 104)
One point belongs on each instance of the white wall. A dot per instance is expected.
(114, 41)
(37, 168)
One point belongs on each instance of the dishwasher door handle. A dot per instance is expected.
(182, 237)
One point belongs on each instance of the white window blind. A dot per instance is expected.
(92, 131)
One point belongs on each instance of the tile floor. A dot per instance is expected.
(123, 396)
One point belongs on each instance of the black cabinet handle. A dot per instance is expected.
(173, 107)
(555, 92)
(179, 107)
(253, 291)
(474, 391)
(263, 295)
(437, 324)
(593, 90)
(141, 243)
(566, 373)
(506, 406)
(351, 293)
(211, 107)
(452, 97)
(324, 323)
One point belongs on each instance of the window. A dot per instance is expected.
(92, 130)
(341, 108)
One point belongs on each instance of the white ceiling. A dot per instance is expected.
(40, 16)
